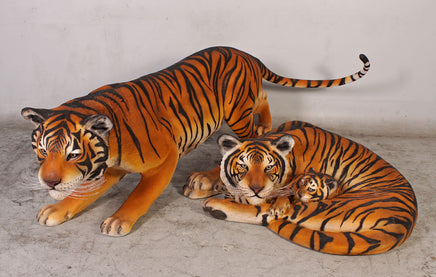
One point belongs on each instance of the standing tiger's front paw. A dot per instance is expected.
(280, 207)
(52, 215)
(202, 185)
(116, 227)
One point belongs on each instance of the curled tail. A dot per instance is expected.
(340, 243)
(299, 83)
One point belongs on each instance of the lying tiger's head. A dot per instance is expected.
(314, 186)
(71, 148)
(255, 170)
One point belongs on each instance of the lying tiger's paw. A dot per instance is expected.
(280, 207)
(211, 206)
(202, 184)
(115, 227)
(52, 215)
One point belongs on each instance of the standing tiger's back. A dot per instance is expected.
(375, 212)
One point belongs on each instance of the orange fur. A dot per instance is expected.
(88, 144)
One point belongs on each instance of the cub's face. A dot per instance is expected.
(254, 171)
(71, 149)
(315, 187)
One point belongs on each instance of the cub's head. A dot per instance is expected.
(71, 148)
(255, 170)
(315, 186)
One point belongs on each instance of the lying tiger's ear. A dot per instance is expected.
(284, 144)
(99, 124)
(37, 116)
(227, 143)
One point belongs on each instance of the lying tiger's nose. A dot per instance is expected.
(256, 188)
(52, 183)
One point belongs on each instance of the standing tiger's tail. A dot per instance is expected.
(300, 83)
(368, 242)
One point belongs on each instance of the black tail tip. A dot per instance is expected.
(363, 58)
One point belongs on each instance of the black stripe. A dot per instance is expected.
(323, 240)
(283, 225)
(295, 232)
(136, 141)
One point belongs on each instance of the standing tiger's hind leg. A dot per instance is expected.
(261, 109)
(241, 116)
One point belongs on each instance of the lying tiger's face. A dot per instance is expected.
(254, 171)
(315, 186)
(72, 149)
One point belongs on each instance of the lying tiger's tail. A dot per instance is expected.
(340, 243)
(299, 83)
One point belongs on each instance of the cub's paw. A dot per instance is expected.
(213, 207)
(115, 227)
(280, 207)
(52, 215)
(202, 185)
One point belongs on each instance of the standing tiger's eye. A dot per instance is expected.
(43, 152)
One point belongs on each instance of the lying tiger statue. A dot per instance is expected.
(374, 211)
(145, 126)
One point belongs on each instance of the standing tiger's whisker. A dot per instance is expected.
(87, 188)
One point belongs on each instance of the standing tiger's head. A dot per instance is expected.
(314, 186)
(72, 148)
(256, 170)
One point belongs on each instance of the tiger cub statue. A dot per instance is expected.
(313, 186)
(374, 209)
(145, 126)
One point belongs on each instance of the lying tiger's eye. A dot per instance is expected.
(73, 156)
(269, 167)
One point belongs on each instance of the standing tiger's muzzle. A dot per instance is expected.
(59, 176)
(50, 171)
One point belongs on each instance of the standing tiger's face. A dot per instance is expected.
(315, 186)
(254, 171)
(71, 148)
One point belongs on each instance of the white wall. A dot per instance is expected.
(52, 51)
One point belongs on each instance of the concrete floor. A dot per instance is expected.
(175, 238)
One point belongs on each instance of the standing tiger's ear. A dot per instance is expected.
(284, 144)
(99, 124)
(37, 116)
(227, 143)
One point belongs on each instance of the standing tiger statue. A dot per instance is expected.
(373, 211)
(145, 126)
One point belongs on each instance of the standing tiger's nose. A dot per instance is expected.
(52, 182)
